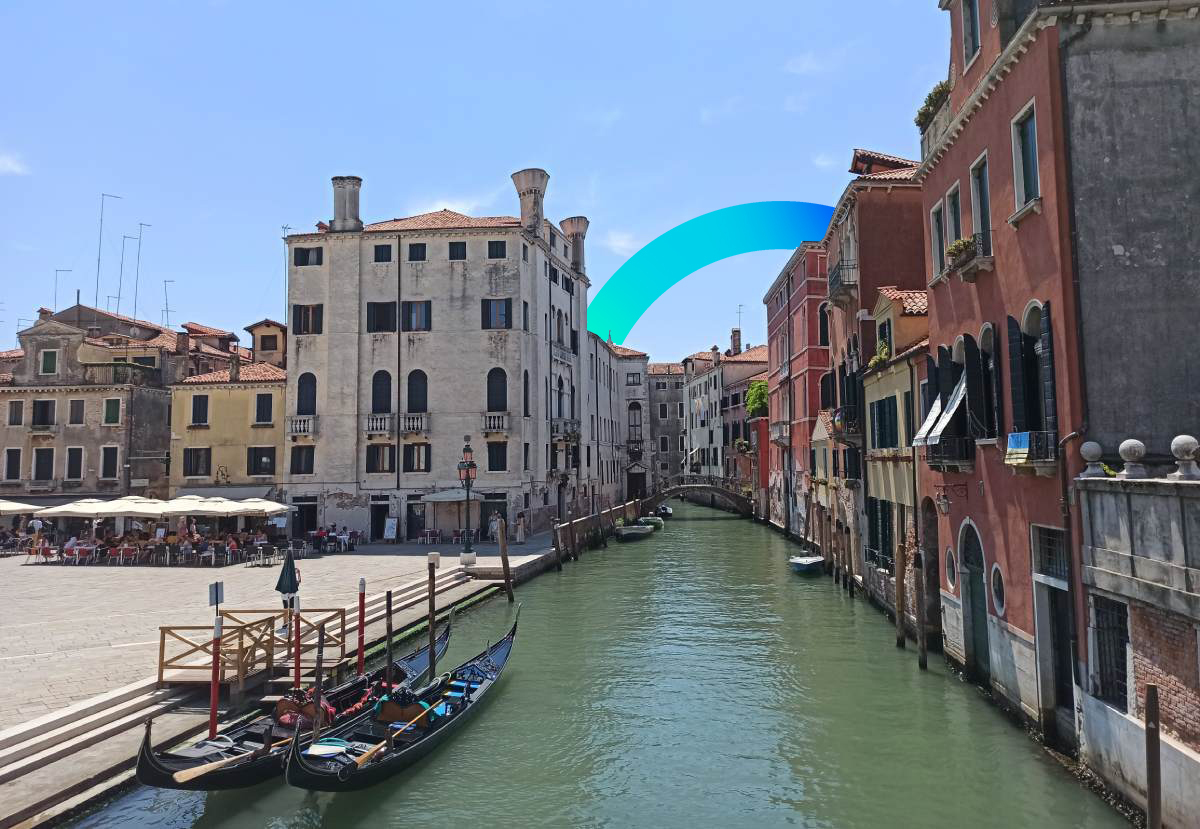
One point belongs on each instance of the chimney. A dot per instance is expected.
(44, 313)
(716, 355)
(575, 229)
(345, 204)
(735, 341)
(183, 343)
(531, 187)
(235, 368)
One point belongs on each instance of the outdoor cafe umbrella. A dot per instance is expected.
(261, 506)
(455, 496)
(14, 508)
(288, 586)
(83, 508)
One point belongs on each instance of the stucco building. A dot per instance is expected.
(668, 419)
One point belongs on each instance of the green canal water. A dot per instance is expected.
(690, 680)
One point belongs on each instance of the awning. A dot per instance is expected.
(931, 419)
(956, 399)
(230, 492)
(448, 496)
(16, 508)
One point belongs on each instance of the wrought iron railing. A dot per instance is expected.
(950, 450)
(1027, 448)
(842, 277)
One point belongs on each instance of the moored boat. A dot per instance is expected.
(807, 564)
(250, 752)
(634, 532)
(382, 743)
(664, 511)
(652, 521)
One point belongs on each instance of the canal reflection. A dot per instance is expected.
(690, 680)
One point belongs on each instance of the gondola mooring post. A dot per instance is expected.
(362, 626)
(214, 694)
(434, 560)
(502, 529)
(296, 656)
(387, 669)
(317, 683)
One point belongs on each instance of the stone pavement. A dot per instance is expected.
(70, 633)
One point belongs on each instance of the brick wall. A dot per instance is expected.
(1164, 652)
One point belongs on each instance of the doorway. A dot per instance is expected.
(379, 517)
(975, 613)
(304, 519)
(636, 485)
(1061, 658)
(414, 521)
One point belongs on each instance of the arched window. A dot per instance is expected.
(525, 394)
(560, 326)
(561, 397)
(497, 390)
(306, 394)
(418, 392)
(1031, 358)
(635, 421)
(823, 324)
(381, 392)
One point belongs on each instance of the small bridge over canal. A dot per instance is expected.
(701, 488)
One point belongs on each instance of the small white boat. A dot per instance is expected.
(652, 521)
(807, 564)
(635, 532)
(664, 511)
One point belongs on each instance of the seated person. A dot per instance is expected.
(71, 544)
(231, 543)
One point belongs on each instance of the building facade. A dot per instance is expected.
(668, 420)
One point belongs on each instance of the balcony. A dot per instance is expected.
(937, 127)
(843, 282)
(633, 447)
(846, 425)
(1032, 451)
(951, 452)
(781, 433)
(494, 422)
(44, 429)
(564, 429)
(411, 424)
(562, 351)
(974, 257)
(44, 485)
(302, 425)
(119, 374)
(379, 424)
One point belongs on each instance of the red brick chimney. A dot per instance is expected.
(735, 341)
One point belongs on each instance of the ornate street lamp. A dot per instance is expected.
(466, 474)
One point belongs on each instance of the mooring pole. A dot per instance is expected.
(557, 545)
(502, 528)
(922, 639)
(296, 666)
(433, 564)
(1153, 761)
(317, 682)
(362, 626)
(901, 566)
(214, 693)
(387, 670)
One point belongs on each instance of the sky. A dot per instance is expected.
(218, 123)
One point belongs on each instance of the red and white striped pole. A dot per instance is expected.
(296, 617)
(362, 625)
(214, 693)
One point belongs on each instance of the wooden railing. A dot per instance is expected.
(333, 620)
(245, 650)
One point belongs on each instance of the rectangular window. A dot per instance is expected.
(43, 413)
(679, 413)
(12, 464)
(268, 342)
(683, 443)
(416, 457)
(43, 464)
(308, 319)
(662, 411)
(524, 252)
(981, 205)
(1112, 641)
(383, 253)
(1025, 161)
(263, 404)
(970, 21)
(525, 315)
(74, 470)
(664, 443)
(16, 412)
(937, 235)
(260, 460)
(633, 378)
(498, 250)
(302, 257)
(197, 463)
(381, 458)
(199, 409)
(554, 274)
(525, 457)
(660, 385)
(417, 315)
(416, 252)
(48, 362)
(108, 463)
(497, 456)
(302, 459)
(458, 251)
(497, 313)
(954, 215)
(381, 317)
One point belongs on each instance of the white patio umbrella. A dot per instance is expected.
(136, 506)
(83, 508)
(261, 506)
(15, 508)
(195, 505)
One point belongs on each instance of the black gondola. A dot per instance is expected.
(356, 755)
(262, 740)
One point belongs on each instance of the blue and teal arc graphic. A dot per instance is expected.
(685, 249)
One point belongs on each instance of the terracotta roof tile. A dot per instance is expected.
(903, 174)
(757, 354)
(443, 220)
(622, 351)
(12, 354)
(250, 373)
(6, 379)
(912, 303)
(206, 330)
(664, 368)
(267, 321)
(878, 158)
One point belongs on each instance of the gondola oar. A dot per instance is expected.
(197, 771)
(366, 756)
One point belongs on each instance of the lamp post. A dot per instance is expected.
(466, 474)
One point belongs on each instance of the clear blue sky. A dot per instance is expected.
(219, 122)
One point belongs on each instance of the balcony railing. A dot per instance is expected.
(379, 424)
(951, 451)
(975, 258)
(843, 281)
(494, 422)
(117, 374)
(303, 425)
(562, 351)
(882, 560)
(42, 485)
(44, 428)
(781, 433)
(1031, 449)
(414, 423)
(846, 425)
(933, 132)
(564, 428)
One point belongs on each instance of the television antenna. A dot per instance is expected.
(166, 304)
(137, 271)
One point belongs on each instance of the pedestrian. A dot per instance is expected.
(521, 528)
(492, 521)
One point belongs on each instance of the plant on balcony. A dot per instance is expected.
(742, 445)
(756, 399)
(961, 251)
(882, 355)
(933, 102)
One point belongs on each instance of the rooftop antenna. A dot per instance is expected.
(166, 304)
(137, 271)
(108, 305)
(740, 317)
(121, 278)
(56, 273)
(100, 244)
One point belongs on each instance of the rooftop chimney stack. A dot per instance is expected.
(45, 313)
(735, 341)
(183, 342)
(531, 187)
(235, 368)
(345, 204)
(716, 355)
(575, 229)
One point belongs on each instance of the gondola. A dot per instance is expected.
(357, 755)
(263, 740)
(664, 511)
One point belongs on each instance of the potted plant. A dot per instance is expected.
(882, 355)
(933, 102)
(960, 252)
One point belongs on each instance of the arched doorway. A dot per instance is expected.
(975, 613)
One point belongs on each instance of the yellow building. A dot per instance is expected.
(227, 432)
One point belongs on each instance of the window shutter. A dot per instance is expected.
(1049, 395)
(976, 416)
(298, 254)
(508, 313)
(296, 320)
(946, 378)
(1016, 376)
(318, 318)
(483, 313)
(893, 410)
(250, 462)
(931, 383)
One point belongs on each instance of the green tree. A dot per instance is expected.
(756, 399)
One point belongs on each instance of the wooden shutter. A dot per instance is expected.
(508, 313)
(997, 386)
(483, 313)
(1016, 376)
(318, 318)
(945, 373)
(250, 461)
(976, 416)
(1049, 395)
(931, 384)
